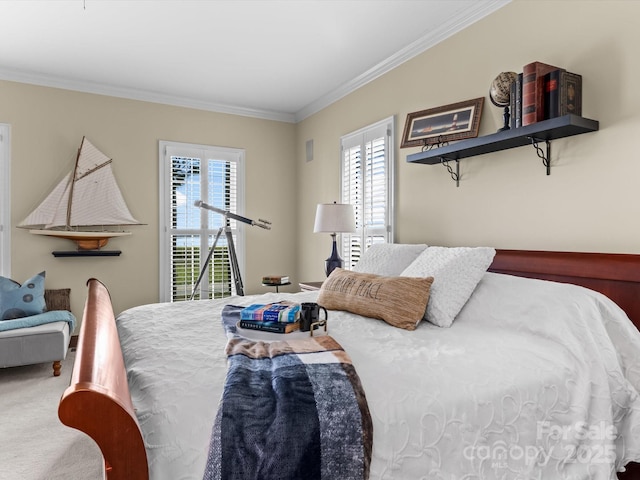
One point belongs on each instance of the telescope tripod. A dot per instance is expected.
(233, 261)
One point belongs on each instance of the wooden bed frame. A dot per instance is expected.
(99, 404)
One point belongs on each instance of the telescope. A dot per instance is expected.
(260, 223)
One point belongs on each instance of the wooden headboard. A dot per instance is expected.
(615, 275)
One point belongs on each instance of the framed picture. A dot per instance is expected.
(443, 124)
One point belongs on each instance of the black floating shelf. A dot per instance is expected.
(546, 130)
(87, 253)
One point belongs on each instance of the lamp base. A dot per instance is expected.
(334, 261)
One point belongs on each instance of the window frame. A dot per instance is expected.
(167, 149)
(361, 137)
(5, 200)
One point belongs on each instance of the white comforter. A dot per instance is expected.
(534, 380)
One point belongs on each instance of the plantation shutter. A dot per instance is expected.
(367, 184)
(212, 175)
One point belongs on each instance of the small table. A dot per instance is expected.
(275, 285)
(310, 286)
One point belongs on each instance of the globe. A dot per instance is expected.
(499, 92)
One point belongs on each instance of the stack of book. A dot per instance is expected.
(542, 92)
(278, 317)
(275, 279)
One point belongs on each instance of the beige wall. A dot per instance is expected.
(47, 126)
(589, 203)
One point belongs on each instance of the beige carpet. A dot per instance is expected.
(34, 444)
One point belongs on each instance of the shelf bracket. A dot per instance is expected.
(455, 175)
(545, 157)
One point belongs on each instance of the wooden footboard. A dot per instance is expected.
(98, 401)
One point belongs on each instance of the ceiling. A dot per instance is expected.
(276, 59)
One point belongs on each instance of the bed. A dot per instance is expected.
(554, 396)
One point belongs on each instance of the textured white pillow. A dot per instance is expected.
(456, 272)
(388, 259)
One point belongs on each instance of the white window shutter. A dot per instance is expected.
(214, 176)
(367, 184)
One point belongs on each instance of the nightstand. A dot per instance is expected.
(310, 286)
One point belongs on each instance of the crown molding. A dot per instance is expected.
(444, 31)
(141, 95)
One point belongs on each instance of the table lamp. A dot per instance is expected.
(334, 218)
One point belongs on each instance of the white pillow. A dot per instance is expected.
(456, 272)
(388, 259)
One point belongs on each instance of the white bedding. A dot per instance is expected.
(527, 383)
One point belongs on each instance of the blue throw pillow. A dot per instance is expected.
(17, 301)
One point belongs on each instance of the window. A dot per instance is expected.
(214, 175)
(367, 183)
(5, 201)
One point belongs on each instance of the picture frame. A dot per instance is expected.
(456, 121)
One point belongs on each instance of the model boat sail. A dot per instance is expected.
(84, 205)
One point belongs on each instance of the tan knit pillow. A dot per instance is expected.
(399, 301)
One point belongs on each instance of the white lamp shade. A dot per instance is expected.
(334, 218)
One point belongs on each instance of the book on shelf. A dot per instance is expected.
(512, 104)
(570, 94)
(519, 101)
(515, 102)
(273, 327)
(282, 312)
(533, 75)
(275, 279)
(551, 90)
(563, 93)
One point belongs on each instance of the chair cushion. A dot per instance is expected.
(39, 344)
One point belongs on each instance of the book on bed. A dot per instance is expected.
(282, 312)
(273, 327)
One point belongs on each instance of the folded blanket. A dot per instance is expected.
(39, 319)
(291, 409)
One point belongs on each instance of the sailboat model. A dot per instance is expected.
(84, 204)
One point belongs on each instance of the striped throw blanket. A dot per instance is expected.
(291, 409)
